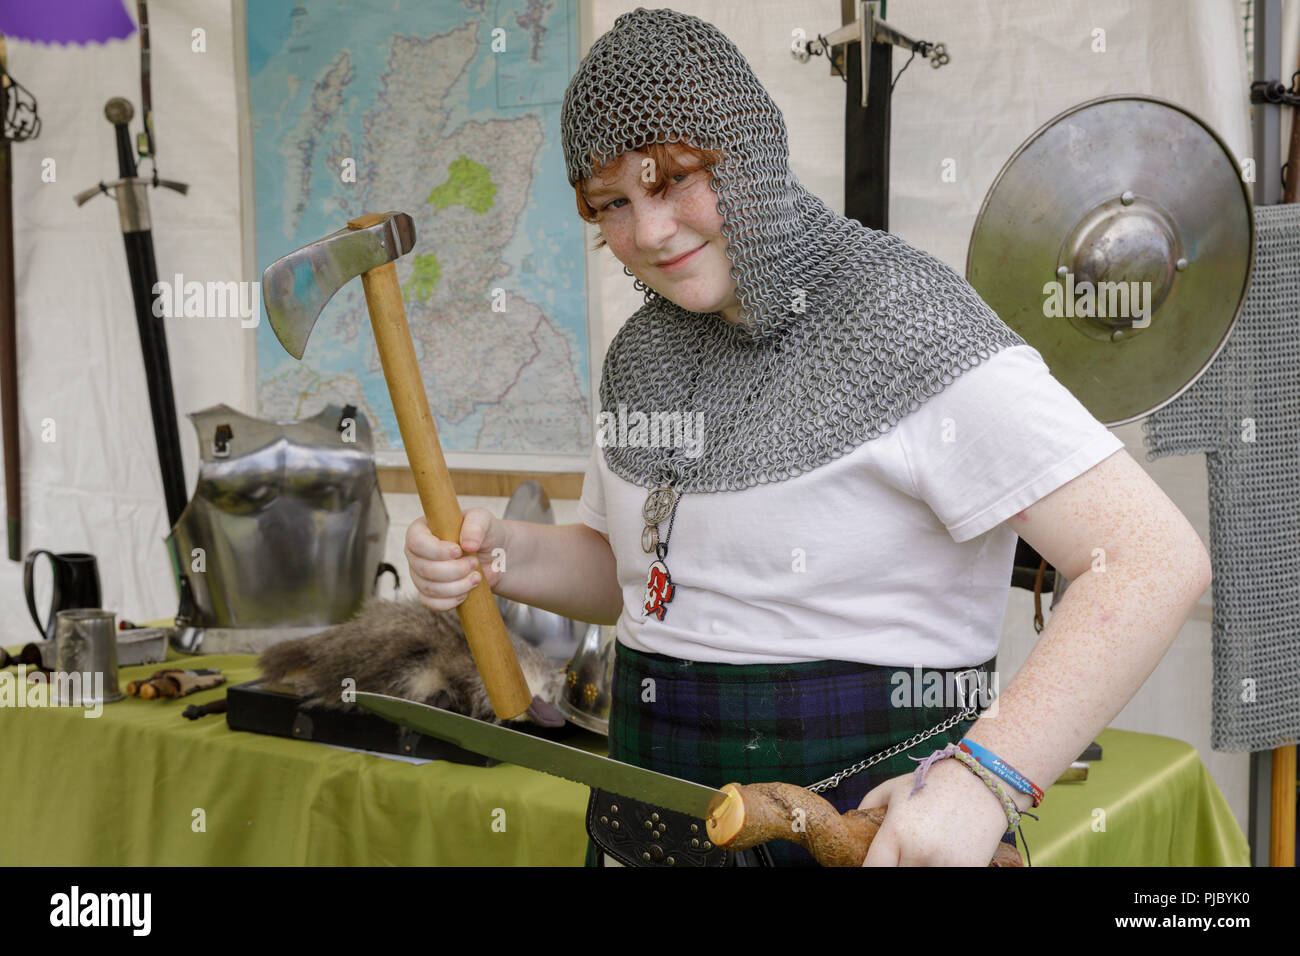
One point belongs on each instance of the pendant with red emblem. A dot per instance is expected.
(658, 590)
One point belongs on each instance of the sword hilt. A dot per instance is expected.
(86, 195)
(746, 815)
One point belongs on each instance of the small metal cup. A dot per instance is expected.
(85, 643)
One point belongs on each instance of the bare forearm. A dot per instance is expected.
(1104, 639)
(567, 569)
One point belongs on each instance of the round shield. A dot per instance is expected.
(1118, 241)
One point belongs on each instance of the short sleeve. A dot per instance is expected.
(591, 505)
(1002, 436)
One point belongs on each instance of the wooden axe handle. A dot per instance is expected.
(484, 629)
(754, 813)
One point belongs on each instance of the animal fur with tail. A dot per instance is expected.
(403, 649)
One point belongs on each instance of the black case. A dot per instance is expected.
(1092, 752)
(262, 707)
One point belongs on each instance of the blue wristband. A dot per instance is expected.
(1001, 768)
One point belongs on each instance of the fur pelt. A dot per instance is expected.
(403, 649)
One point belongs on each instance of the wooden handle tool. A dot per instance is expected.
(295, 289)
(749, 814)
(484, 630)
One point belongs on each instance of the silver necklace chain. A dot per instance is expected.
(834, 781)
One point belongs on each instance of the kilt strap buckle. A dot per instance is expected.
(966, 687)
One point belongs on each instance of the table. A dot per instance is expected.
(142, 786)
(1158, 805)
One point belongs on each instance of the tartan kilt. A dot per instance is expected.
(754, 723)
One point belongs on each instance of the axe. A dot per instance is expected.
(294, 289)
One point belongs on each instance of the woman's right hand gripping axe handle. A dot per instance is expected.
(295, 288)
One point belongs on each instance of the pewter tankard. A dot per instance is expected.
(85, 649)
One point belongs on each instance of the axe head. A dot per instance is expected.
(296, 287)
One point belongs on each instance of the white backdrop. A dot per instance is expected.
(1015, 64)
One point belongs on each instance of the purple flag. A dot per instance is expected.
(65, 21)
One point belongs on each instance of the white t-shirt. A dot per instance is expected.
(894, 554)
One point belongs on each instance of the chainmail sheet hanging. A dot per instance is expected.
(845, 329)
(1244, 414)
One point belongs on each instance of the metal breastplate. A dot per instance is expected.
(286, 527)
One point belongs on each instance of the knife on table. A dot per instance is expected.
(737, 816)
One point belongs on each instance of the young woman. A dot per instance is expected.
(803, 588)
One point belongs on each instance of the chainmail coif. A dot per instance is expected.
(845, 329)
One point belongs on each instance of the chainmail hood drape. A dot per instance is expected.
(845, 329)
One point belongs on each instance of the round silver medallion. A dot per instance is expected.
(658, 506)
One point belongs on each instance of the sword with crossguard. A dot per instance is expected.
(737, 817)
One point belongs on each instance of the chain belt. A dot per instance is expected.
(967, 713)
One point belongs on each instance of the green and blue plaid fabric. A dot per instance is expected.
(754, 723)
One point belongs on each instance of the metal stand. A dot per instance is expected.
(1272, 790)
(861, 51)
(18, 122)
(866, 140)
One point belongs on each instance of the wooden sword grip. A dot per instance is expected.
(751, 814)
(484, 629)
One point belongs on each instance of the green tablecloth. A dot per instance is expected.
(1148, 802)
(143, 786)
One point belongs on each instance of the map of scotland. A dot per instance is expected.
(447, 111)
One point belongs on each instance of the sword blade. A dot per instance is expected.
(559, 760)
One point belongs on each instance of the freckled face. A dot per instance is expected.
(673, 243)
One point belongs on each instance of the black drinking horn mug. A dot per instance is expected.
(76, 585)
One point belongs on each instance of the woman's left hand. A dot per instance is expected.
(954, 820)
